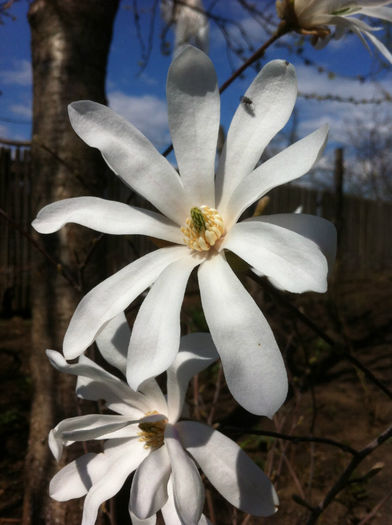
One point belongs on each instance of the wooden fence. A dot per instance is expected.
(364, 238)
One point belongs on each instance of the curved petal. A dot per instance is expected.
(123, 463)
(272, 94)
(380, 46)
(156, 332)
(113, 295)
(289, 164)
(197, 352)
(240, 481)
(315, 228)
(294, 262)
(83, 428)
(252, 364)
(193, 108)
(113, 341)
(130, 155)
(169, 511)
(107, 217)
(149, 485)
(76, 478)
(188, 488)
(384, 13)
(95, 383)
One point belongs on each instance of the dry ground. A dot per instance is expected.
(330, 398)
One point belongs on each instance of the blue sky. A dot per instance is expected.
(141, 97)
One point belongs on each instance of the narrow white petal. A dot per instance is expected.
(291, 260)
(95, 383)
(272, 95)
(380, 46)
(252, 364)
(76, 478)
(188, 488)
(197, 352)
(149, 485)
(83, 428)
(112, 296)
(384, 13)
(107, 217)
(193, 107)
(240, 481)
(132, 454)
(288, 165)
(113, 342)
(130, 155)
(155, 336)
(315, 228)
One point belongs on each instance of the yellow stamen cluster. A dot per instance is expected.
(152, 432)
(203, 228)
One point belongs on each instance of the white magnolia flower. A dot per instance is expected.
(145, 436)
(315, 16)
(191, 23)
(200, 214)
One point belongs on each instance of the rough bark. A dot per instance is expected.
(70, 42)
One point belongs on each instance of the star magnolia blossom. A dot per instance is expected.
(201, 220)
(314, 16)
(146, 437)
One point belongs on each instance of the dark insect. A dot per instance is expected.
(248, 105)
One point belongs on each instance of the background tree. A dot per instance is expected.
(70, 43)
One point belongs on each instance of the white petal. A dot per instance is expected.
(197, 352)
(130, 155)
(100, 384)
(384, 13)
(294, 262)
(83, 428)
(107, 217)
(169, 511)
(149, 485)
(317, 229)
(289, 164)
(132, 454)
(273, 93)
(380, 46)
(229, 469)
(76, 478)
(253, 366)
(156, 332)
(112, 296)
(136, 521)
(188, 488)
(193, 107)
(154, 396)
(113, 342)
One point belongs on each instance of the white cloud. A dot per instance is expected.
(24, 110)
(4, 134)
(148, 113)
(19, 75)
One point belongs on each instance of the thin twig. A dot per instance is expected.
(293, 439)
(375, 509)
(58, 265)
(336, 347)
(343, 480)
(216, 395)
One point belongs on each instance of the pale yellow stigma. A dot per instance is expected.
(152, 432)
(203, 228)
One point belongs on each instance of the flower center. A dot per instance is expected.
(152, 432)
(203, 228)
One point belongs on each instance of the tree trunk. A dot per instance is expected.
(70, 42)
